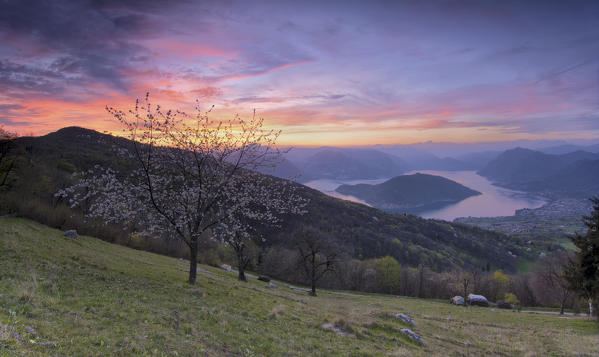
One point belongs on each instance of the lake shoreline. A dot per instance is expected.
(494, 201)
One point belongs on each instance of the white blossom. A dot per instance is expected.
(190, 175)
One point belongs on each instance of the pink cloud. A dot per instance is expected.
(264, 72)
(185, 50)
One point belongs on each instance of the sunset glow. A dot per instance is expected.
(339, 73)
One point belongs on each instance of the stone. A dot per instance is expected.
(264, 278)
(413, 336)
(337, 329)
(71, 233)
(477, 300)
(271, 285)
(458, 300)
(405, 318)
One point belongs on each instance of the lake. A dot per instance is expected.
(494, 201)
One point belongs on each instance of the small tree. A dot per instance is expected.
(268, 198)
(582, 271)
(190, 175)
(388, 274)
(465, 281)
(317, 255)
(512, 299)
(6, 162)
(501, 282)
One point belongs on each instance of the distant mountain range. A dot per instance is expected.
(410, 193)
(574, 174)
(385, 161)
(365, 163)
(350, 163)
(568, 148)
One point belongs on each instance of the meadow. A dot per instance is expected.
(84, 296)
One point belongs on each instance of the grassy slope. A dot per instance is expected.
(88, 297)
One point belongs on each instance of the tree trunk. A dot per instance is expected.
(561, 309)
(591, 310)
(420, 280)
(193, 262)
(241, 270)
(241, 275)
(313, 278)
(241, 262)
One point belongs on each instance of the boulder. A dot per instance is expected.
(71, 233)
(405, 318)
(264, 278)
(458, 300)
(271, 285)
(413, 336)
(477, 300)
(504, 305)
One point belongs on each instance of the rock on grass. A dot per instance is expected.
(413, 336)
(405, 318)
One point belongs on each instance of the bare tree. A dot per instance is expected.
(317, 255)
(551, 271)
(190, 176)
(468, 280)
(465, 279)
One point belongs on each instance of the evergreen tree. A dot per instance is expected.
(582, 272)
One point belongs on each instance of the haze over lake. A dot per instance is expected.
(494, 201)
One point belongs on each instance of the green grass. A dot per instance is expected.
(567, 244)
(88, 297)
(525, 265)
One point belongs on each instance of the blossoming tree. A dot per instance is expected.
(190, 175)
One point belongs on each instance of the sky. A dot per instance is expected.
(324, 72)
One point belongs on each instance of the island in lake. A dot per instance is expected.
(410, 193)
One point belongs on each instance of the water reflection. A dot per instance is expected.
(494, 201)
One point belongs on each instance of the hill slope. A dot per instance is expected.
(87, 297)
(410, 193)
(47, 163)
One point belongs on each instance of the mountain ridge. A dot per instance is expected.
(364, 232)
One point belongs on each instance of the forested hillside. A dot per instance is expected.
(45, 164)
